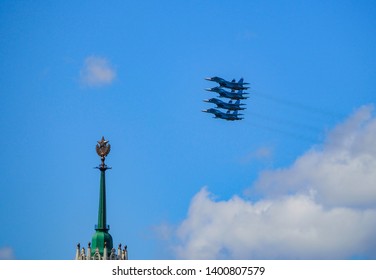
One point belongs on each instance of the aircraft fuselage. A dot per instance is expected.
(226, 84)
(226, 116)
(228, 94)
(224, 105)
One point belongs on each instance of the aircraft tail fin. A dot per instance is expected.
(237, 102)
(241, 82)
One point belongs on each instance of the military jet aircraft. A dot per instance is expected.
(226, 116)
(227, 94)
(228, 106)
(231, 85)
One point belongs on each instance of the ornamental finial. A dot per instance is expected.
(103, 149)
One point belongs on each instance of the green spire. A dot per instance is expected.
(101, 237)
(102, 225)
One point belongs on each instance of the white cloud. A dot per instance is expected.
(290, 227)
(97, 71)
(340, 173)
(6, 253)
(321, 207)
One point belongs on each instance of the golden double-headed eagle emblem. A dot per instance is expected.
(103, 148)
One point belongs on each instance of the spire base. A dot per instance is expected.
(102, 240)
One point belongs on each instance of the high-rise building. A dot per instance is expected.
(101, 245)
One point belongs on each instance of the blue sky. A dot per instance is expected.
(185, 185)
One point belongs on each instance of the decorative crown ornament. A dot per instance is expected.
(103, 149)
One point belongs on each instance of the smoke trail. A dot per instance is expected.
(300, 106)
